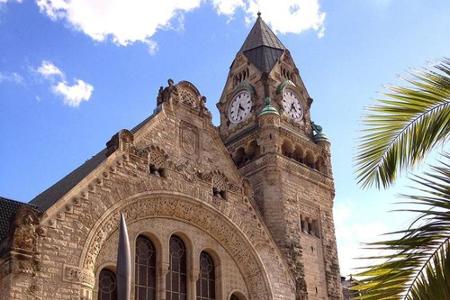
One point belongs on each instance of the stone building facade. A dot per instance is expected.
(239, 211)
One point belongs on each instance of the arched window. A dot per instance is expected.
(206, 284)
(235, 297)
(145, 269)
(107, 285)
(176, 277)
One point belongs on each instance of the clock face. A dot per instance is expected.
(240, 107)
(291, 105)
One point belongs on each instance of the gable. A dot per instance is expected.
(48, 197)
(173, 166)
(188, 137)
(183, 132)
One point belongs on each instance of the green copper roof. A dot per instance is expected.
(268, 108)
(318, 135)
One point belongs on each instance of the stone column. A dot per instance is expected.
(193, 275)
(162, 271)
(219, 282)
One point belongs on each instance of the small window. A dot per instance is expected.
(176, 283)
(302, 225)
(154, 170)
(206, 283)
(316, 230)
(145, 269)
(107, 285)
(236, 297)
(219, 193)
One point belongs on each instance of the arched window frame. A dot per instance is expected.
(102, 294)
(236, 295)
(145, 275)
(177, 281)
(207, 282)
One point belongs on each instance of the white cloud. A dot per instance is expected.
(11, 77)
(124, 21)
(128, 21)
(4, 1)
(74, 94)
(228, 7)
(152, 47)
(284, 16)
(48, 69)
(351, 235)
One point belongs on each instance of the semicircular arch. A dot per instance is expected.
(195, 212)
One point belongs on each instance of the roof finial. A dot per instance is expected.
(259, 14)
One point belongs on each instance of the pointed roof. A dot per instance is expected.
(261, 35)
(48, 197)
(262, 47)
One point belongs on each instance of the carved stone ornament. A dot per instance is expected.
(187, 169)
(198, 215)
(189, 138)
(156, 156)
(76, 275)
(24, 236)
(189, 98)
(122, 140)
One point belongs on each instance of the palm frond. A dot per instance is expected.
(402, 128)
(415, 266)
(434, 282)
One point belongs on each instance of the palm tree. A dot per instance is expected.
(400, 131)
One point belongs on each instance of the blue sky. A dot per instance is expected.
(74, 72)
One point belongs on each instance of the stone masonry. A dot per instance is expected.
(256, 195)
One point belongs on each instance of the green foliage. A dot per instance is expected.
(405, 126)
(401, 130)
(416, 266)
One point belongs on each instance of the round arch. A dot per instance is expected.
(236, 295)
(190, 210)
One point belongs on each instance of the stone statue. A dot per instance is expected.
(317, 128)
(171, 88)
(318, 135)
(203, 109)
(166, 94)
(24, 238)
(202, 103)
(159, 99)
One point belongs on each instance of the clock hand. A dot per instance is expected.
(293, 107)
(240, 107)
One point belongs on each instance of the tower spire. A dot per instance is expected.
(262, 47)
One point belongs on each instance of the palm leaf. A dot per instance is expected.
(405, 126)
(415, 266)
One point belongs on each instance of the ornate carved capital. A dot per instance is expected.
(123, 140)
(74, 274)
(24, 233)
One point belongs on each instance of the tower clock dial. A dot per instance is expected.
(240, 107)
(292, 105)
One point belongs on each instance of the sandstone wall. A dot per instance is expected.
(74, 238)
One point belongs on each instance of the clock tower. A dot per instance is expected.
(265, 123)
